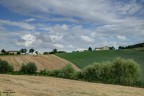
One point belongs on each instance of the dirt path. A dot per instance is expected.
(47, 86)
(48, 62)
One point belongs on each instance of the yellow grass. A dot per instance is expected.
(47, 86)
(49, 62)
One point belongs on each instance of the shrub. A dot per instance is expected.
(78, 75)
(29, 68)
(120, 71)
(92, 72)
(5, 67)
(67, 72)
(125, 72)
(98, 72)
(54, 73)
(106, 72)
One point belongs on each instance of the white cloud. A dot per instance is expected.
(121, 37)
(59, 46)
(55, 38)
(30, 20)
(91, 23)
(83, 10)
(87, 39)
(23, 25)
(27, 40)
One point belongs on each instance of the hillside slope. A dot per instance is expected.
(47, 86)
(49, 62)
(83, 59)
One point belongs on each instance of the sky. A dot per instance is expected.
(70, 24)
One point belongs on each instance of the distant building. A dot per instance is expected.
(103, 48)
(12, 52)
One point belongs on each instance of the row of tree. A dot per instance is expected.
(132, 46)
(21, 51)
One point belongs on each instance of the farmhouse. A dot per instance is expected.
(103, 48)
(12, 52)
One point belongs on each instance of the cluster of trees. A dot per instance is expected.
(54, 51)
(21, 51)
(132, 46)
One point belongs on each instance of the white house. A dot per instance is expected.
(12, 52)
(102, 48)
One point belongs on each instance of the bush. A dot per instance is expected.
(92, 72)
(67, 72)
(120, 71)
(78, 75)
(98, 72)
(106, 72)
(54, 73)
(29, 68)
(5, 67)
(125, 72)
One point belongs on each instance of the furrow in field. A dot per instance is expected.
(49, 62)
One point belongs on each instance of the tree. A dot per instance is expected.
(29, 68)
(3, 51)
(55, 50)
(31, 50)
(45, 53)
(89, 49)
(112, 48)
(121, 47)
(23, 50)
(5, 67)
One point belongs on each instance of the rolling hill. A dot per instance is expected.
(83, 59)
(48, 86)
(49, 62)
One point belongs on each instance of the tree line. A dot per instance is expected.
(21, 51)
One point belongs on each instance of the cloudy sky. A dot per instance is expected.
(70, 24)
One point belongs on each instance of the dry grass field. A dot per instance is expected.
(49, 62)
(48, 86)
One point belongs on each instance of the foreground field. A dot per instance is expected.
(46, 86)
(42, 61)
(83, 59)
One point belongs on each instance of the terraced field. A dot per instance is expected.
(49, 62)
(48, 86)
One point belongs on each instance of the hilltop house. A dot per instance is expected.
(103, 48)
(12, 52)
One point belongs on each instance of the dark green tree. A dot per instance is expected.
(3, 51)
(23, 50)
(112, 48)
(55, 50)
(89, 49)
(31, 50)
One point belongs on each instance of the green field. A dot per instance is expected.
(82, 59)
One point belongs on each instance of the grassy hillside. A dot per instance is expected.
(82, 59)
(47, 86)
(140, 48)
